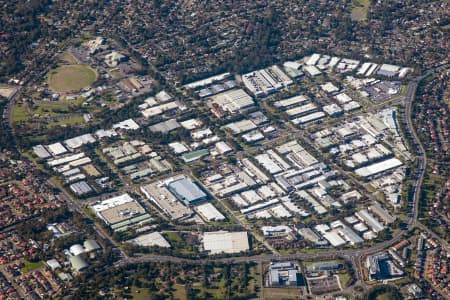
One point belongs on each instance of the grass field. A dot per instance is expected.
(140, 293)
(360, 10)
(68, 78)
(68, 58)
(23, 112)
(385, 296)
(180, 292)
(344, 278)
(31, 266)
(281, 293)
(75, 120)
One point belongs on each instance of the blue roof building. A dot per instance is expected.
(187, 191)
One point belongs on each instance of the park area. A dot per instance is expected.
(68, 78)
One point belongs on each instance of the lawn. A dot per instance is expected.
(360, 10)
(344, 278)
(385, 296)
(31, 266)
(180, 292)
(140, 293)
(445, 27)
(71, 78)
(75, 120)
(68, 58)
(19, 113)
(281, 293)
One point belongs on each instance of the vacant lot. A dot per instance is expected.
(68, 78)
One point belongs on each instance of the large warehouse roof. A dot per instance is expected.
(378, 167)
(186, 190)
(226, 242)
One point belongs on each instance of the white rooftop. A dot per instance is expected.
(226, 242)
(151, 239)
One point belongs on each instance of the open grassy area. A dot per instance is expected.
(180, 292)
(20, 113)
(140, 293)
(68, 78)
(386, 296)
(281, 293)
(344, 278)
(360, 10)
(68, 58)
(48, 110)
(446, 27)
(75, 120)
(31, 266)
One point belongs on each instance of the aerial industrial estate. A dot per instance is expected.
(138, 171)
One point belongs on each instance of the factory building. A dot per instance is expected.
(187, 191)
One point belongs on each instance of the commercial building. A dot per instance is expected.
(291, 102)
(209, 212)
(225, 242)
(233, 101)
(151, 240)
(284, 274)
(56, 149)
(80, 188)
(41, 152)
(316, 116)
(194, 155)
(120, 212)
(165, 126)
(301, 110)
(241, 126)
(334, 239)
(79, 141)
(78, 263)
(264, 82)
(381, 213)
(381, 267)
(160, 109)
(187, 191)
(367, 218)
(158, 194)
(379, 167)
(388, 70)
(129, 124)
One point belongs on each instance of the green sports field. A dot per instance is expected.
(69, 78)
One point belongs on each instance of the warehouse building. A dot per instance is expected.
(225, 242)
(187, 191)
(120, 212)
(379, 167)
(291, 102)
(79, 141)
(151, 240)
(209, 212)
(41, 152)
(78, 263)
(158, 194)
(233, 101)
